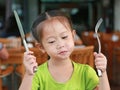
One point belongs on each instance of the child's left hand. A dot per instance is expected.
(100, 62)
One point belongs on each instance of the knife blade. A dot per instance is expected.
(21, 30)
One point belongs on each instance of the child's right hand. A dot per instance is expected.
(29, 62)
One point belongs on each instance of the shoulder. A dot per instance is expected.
(42, 67)
(86, 70)
(89, 75)
(83, 67)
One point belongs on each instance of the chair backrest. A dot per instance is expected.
(4, 40)
(41, 57)
(109, 42)
(83, 55)
(13, 42)
(89, 38)
(117, 54)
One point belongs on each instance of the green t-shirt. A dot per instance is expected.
(84, 77)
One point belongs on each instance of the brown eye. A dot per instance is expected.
(51, 42)
(64, 37)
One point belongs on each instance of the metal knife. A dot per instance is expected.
(22, 35)
(21, 30)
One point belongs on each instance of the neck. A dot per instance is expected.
(59, 63)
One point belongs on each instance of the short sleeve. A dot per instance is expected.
(35, 83)
(91, 78)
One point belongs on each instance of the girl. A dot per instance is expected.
(54, 34)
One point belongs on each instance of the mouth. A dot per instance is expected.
(62, 52)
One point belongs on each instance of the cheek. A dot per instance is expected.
(49, 48)
(70, 43)
(50, 51)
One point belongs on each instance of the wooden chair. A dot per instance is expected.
(108, 46)
(4, 73)
(11, 42)
(117, 54)
(84, 37)
(41, 57)
(116, 65)
(83, 55)
(5, 40)
(89, 38)
(7, 70)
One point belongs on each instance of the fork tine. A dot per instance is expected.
(98, 24)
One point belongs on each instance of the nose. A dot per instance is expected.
(60, 44)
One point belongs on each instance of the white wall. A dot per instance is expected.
(117, 15)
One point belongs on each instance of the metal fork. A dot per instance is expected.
(99, 44)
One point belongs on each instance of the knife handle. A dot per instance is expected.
(99, 73)
(34, 69)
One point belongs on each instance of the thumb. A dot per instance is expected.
(95, 53)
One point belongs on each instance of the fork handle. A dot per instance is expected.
(99, 73)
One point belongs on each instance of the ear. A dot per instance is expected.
(40, 47)
(73, 33)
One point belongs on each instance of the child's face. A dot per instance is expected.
(57, 39)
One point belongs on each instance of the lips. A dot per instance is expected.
(62, 52)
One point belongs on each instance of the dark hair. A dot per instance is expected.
(11, 28)
(45, 16)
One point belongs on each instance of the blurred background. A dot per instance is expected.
(84, 14)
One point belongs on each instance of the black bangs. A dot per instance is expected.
(39, 19)
(60, 13)
(44, 16)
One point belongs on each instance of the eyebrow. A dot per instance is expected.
(64, 32)
(54, 37)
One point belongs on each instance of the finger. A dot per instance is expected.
(30, 57)
(101, 68)
(98, 54)
(29, 68)
(34, 67)
(101, 60)
(28, 53)
(29, 62)
(95, 53)
(100, 64)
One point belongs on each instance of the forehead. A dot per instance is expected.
(54, 24)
